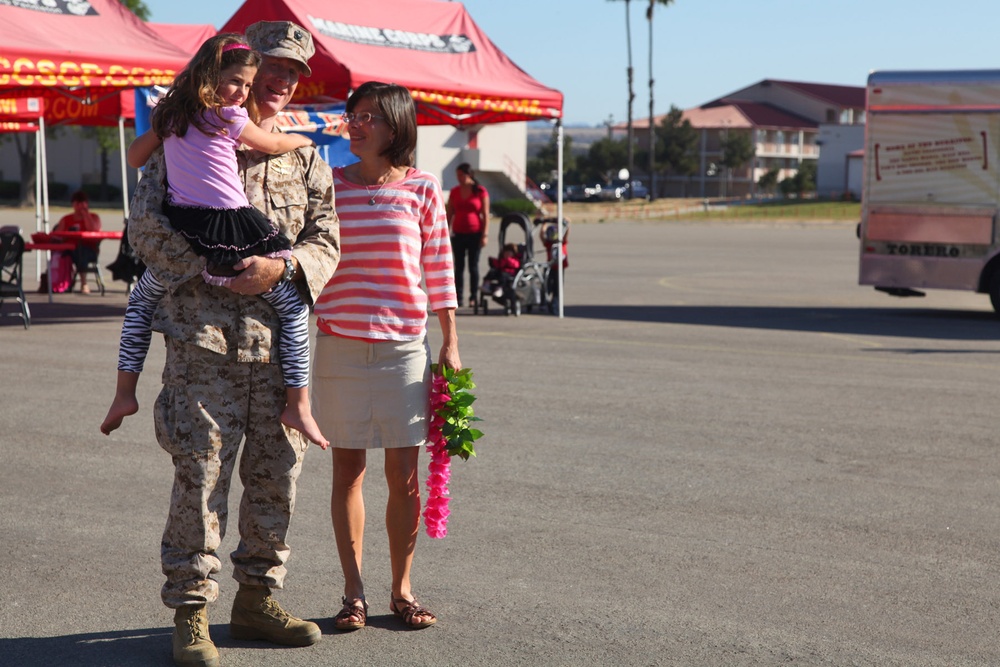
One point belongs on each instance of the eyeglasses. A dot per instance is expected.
(364, 117)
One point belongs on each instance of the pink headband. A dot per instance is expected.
(234, 45)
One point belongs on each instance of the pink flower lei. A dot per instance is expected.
(451, 413)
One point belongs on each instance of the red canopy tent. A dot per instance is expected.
(456, 75)
(81, 48)
(80, 55)
(186, 37)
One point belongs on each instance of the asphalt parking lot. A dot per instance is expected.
(726, 453)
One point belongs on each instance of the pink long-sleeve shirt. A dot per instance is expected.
(386, 249)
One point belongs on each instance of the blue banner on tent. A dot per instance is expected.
(322, 124)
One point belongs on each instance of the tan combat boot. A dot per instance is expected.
(192, 645)
(256, 615)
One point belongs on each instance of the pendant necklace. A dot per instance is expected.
(371, 196)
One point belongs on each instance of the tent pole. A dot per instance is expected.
(38, 196)
(559, 210)
(121, 144)
(45, 177)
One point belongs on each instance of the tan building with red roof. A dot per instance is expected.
(784, 120)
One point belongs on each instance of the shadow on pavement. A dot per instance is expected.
(127, 648)
(64, 312)
(903, 323)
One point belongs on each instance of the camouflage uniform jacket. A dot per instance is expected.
(295, 191)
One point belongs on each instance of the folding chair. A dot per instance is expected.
(91, 267)
(11, 256)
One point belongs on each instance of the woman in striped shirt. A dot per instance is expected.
(372, 371)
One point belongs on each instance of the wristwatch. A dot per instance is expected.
(289, 271)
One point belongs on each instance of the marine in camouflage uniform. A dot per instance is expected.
(222, 382)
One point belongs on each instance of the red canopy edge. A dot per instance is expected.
(15, 126)
(456, 75)
(21, 114)
(21, 109)
(100, 107)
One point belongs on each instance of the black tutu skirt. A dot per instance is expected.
(225, 236)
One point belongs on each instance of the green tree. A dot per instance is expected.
(107, 145)
(137, 7)
(677, 144)
(24, 144)
(803, 181)
(603, 160)
(769, 181)
(737, 150)
(541, 167)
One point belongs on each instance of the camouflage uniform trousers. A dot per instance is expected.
(207, 404)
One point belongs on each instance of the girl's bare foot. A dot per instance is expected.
(294, 417)
(120, 408)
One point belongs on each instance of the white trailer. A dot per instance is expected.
(931, 190)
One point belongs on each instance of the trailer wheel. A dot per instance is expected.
(995, 291)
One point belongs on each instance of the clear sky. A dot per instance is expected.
(704, 49)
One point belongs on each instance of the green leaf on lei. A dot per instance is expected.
(458, 412)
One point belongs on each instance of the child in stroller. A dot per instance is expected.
(502, 271)
(549, 234)
(550, 238)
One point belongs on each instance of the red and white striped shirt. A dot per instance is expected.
(385, 249)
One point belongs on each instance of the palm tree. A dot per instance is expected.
(631, 92)
(652, 135)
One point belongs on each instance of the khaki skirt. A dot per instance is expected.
(371, 395)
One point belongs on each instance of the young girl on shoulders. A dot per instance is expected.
(204, 117)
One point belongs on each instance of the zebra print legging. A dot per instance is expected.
(293, 339)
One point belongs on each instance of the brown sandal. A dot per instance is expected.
(411, 609)
(345, 619)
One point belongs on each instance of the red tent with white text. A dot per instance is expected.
(456, 75)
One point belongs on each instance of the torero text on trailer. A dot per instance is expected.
(932, 183)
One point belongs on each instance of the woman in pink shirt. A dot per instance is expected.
(372, 372)
(81, 220)
(469, 221)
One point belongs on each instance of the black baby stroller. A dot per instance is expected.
(525, 289)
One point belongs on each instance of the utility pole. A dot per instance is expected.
(652, 123)
(631, 98)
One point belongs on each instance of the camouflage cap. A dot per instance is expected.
(282, 39)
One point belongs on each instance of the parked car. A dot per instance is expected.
(574, 193)
(620, 190)
(608, 192)
(592, 192)
(548, 190)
